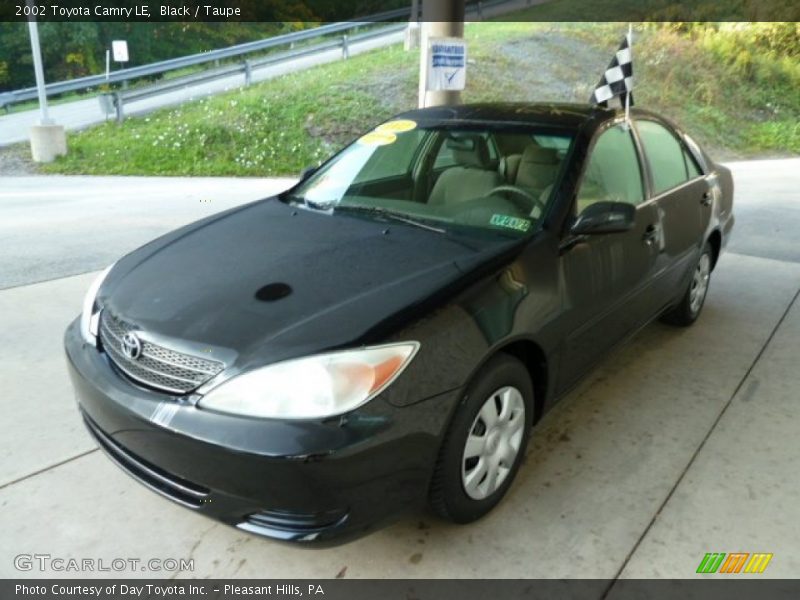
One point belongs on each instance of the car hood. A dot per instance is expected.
(325, 281)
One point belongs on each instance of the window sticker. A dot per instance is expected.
(378, 138)
(508, 222)
(399, 126)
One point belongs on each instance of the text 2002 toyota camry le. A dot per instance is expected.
(387, 331)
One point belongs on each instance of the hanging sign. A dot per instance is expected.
(447, 64)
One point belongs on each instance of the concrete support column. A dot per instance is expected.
(440, 18)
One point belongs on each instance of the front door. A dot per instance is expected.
(606, 278)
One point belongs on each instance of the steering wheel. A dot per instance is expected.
(518, 192)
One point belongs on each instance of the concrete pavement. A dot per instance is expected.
(683, 442)
(741, 492)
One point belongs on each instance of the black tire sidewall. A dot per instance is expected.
(683, 315)
(453, 501)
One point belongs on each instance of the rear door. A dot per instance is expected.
(606, 278)
(683, 199)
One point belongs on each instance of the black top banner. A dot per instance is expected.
(317, 11)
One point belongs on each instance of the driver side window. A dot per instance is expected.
(613, 172)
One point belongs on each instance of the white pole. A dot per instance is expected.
(628, 93)
(48, 140)
(412, 31)
(424, 28)
(38, 70)
(108, 64)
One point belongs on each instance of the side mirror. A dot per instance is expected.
(604, 217)
(307, 172)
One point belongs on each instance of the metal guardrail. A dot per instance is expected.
(116, 104)
(157, 68)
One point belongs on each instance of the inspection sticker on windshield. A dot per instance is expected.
(378, 138)
(399, 126)
(510, 222)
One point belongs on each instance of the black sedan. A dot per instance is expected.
(387, 332)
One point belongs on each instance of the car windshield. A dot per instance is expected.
(481, 177)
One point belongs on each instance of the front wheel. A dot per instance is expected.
(687, 311)
(485, 443)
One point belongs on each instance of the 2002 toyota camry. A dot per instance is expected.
(387, 331)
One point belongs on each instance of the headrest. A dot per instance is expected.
(470, 150)
(538, 167)
(540, 156)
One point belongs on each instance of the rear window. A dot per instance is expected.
(670, 164)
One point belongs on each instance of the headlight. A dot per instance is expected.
(316, 387)
(89, 315)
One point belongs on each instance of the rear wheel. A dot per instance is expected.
(687, 311)
(485, 443)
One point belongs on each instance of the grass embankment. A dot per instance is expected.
(278, 127)
(735, 88)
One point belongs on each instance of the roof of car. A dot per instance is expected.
(540, 113)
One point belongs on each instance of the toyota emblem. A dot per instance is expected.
(131, 346)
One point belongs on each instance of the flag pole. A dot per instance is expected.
(628, 92)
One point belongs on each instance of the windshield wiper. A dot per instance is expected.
(389, 214)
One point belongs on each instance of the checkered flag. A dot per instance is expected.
(617, 82)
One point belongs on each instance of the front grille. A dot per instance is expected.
(157, 367)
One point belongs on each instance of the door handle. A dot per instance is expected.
(707, 198)
(650, 235)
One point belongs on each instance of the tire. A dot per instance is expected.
(690, 306)
(463, 488)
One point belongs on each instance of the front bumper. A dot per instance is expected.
(302, 481)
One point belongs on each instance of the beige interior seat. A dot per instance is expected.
(538, 168)
(509, 167)
(474, 175)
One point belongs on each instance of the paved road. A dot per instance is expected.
(79, 114)
(683, 442)
(768, 209)
(57, 226)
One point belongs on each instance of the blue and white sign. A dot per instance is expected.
(447, 64)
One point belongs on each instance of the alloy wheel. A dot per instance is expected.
(697, 293)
